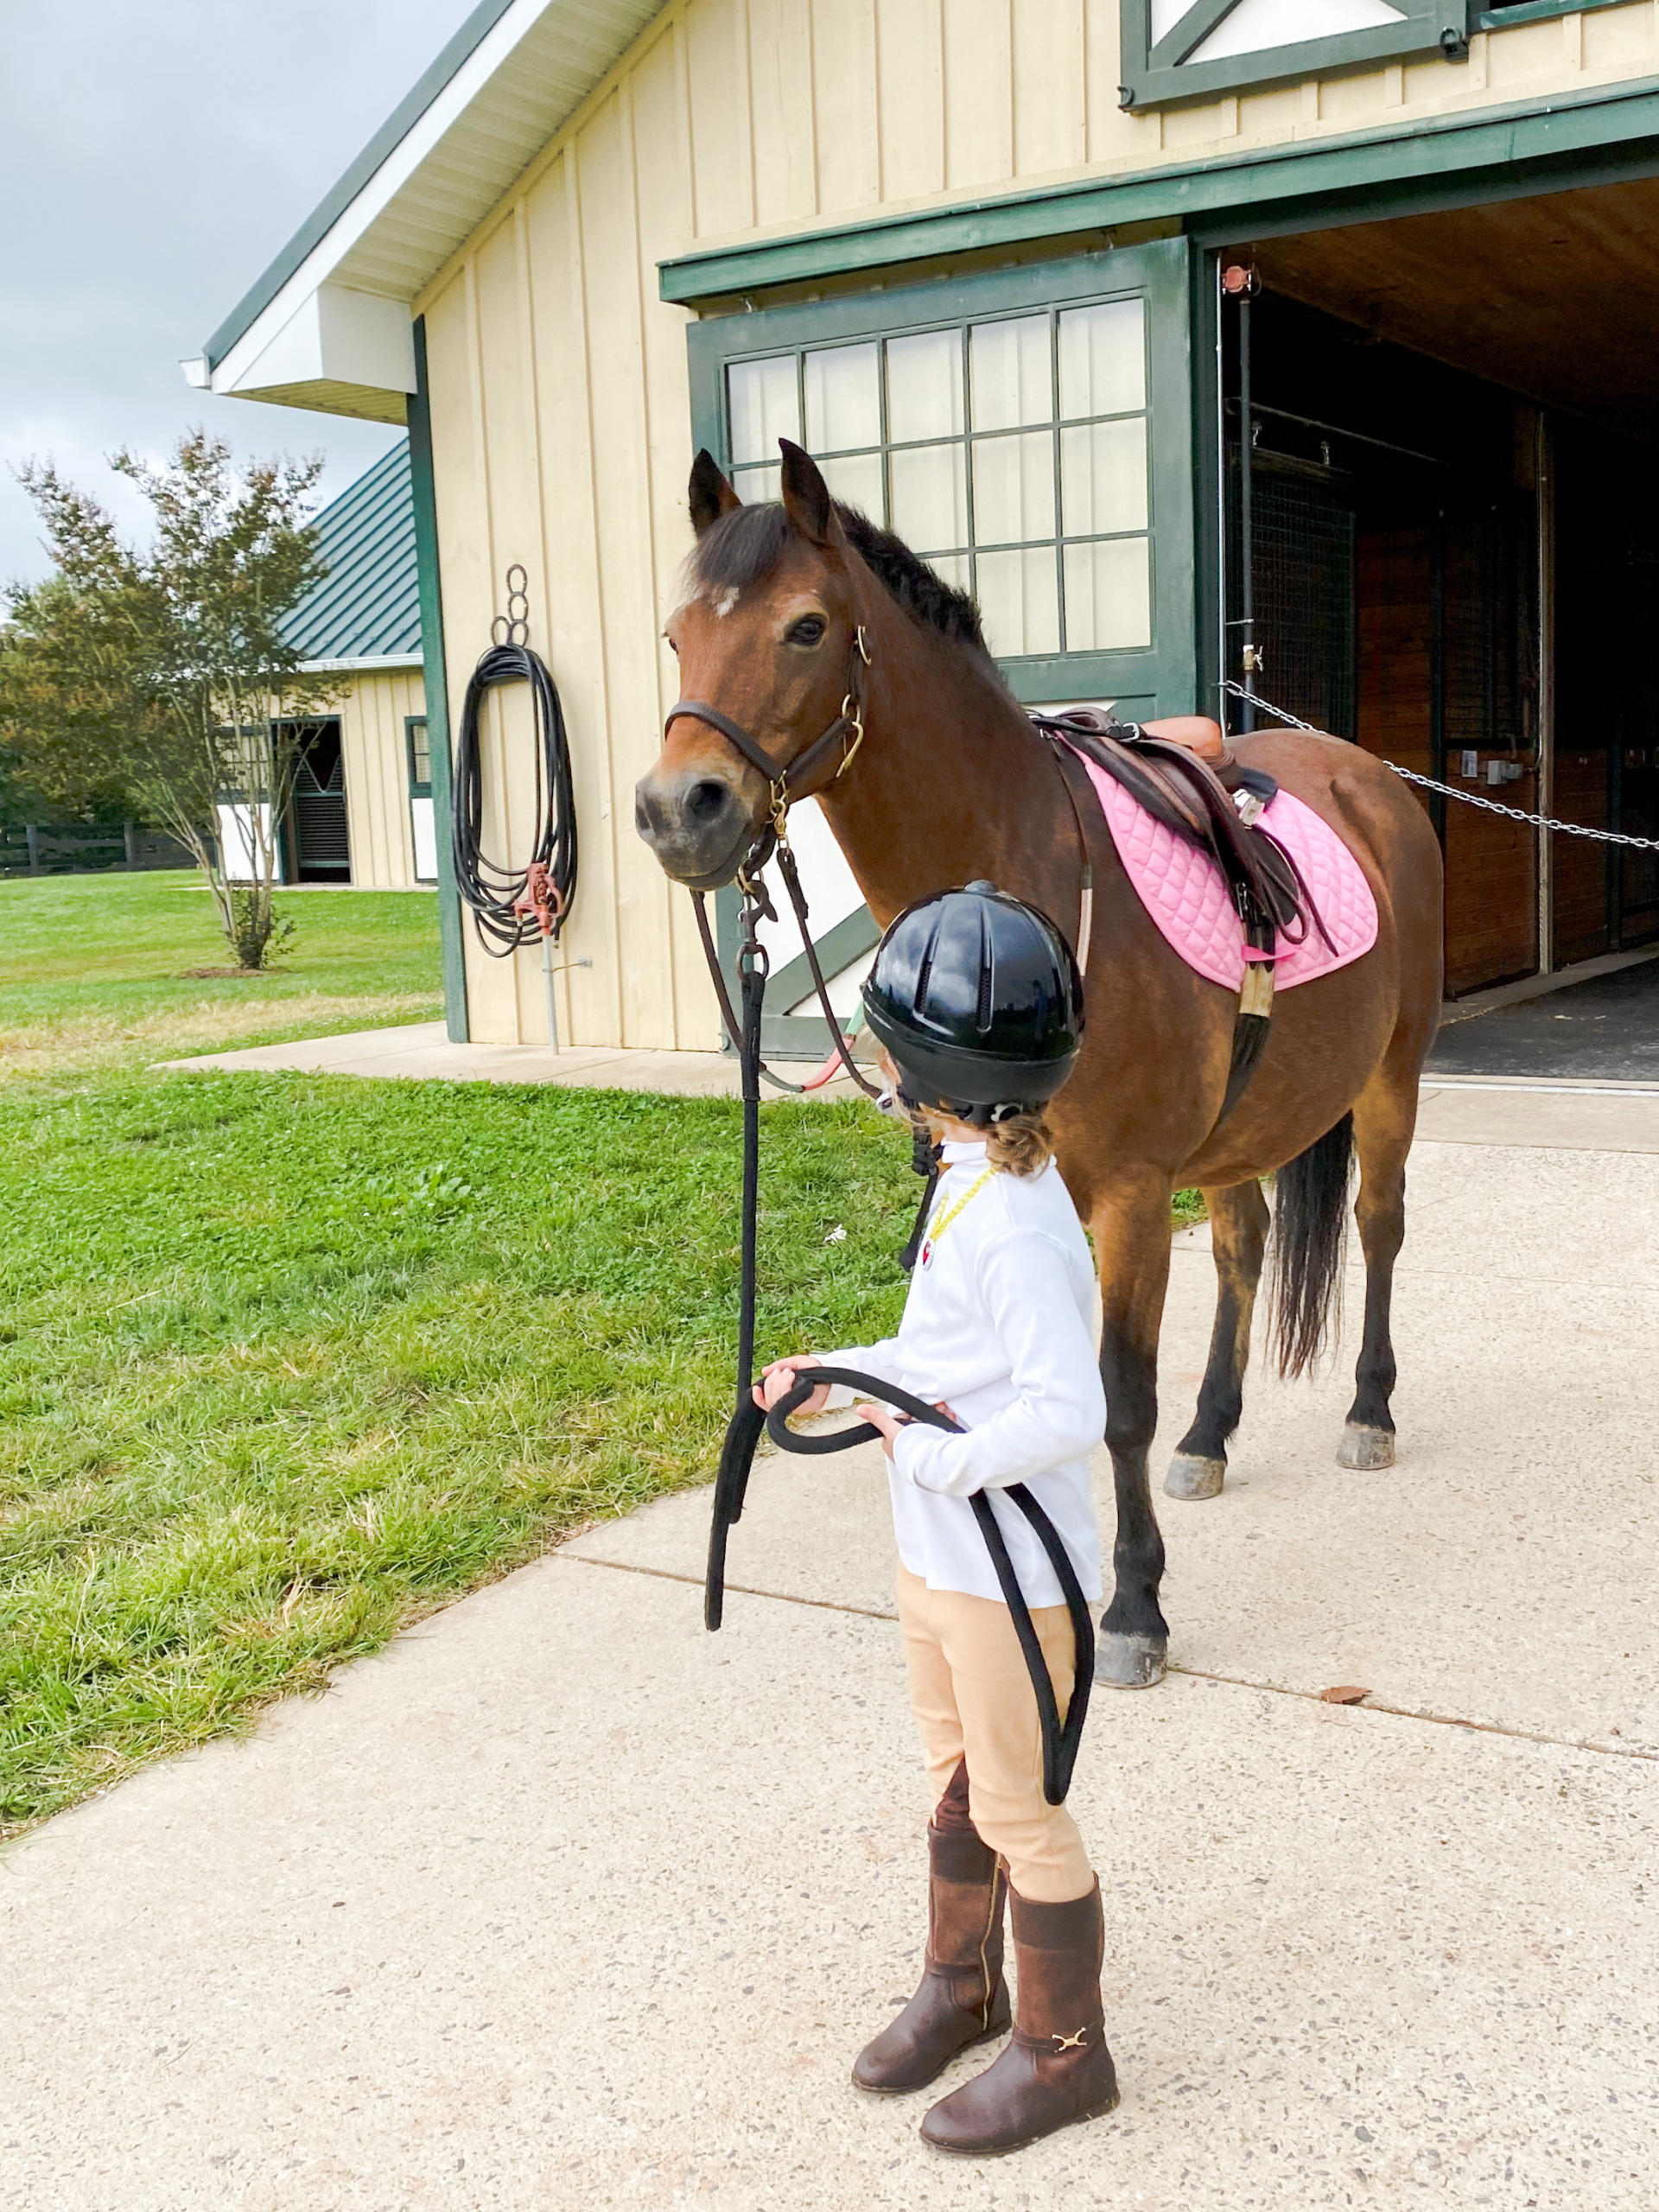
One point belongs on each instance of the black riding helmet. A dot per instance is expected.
(978, 999)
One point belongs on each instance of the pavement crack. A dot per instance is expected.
(1193, 1673)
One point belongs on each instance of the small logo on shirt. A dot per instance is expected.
(927, 1253)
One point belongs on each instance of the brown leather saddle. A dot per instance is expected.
(1183, 771)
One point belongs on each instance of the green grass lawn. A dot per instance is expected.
(287, 1360)
(94, 970)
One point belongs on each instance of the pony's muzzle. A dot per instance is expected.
(697, 823)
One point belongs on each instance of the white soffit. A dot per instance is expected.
(328, 325)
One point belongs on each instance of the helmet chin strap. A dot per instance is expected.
(973, 1116)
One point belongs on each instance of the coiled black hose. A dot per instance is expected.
(499, 896)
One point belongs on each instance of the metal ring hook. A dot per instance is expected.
(513, 628)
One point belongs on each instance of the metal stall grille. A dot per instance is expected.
(1302, 535)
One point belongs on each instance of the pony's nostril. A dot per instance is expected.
(706, 800)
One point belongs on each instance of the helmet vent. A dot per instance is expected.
(983, 1009)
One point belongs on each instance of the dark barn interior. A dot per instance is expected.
(1456, 540)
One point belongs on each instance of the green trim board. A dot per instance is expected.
(1508, 152)
(1158, 74)
(437, 690)
(1159, 678)
(327, 212)
(1534, 12)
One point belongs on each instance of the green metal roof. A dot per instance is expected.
(368, 606)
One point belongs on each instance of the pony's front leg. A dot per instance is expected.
(1131, 1231)
(1238, 1236)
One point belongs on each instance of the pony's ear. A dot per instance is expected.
(711, 495)
(806, 496)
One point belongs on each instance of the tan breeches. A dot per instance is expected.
(973, 1698)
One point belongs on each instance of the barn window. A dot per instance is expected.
(1032, 432)
(1010, 450)
(1028, 430)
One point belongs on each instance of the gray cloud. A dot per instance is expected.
(153, 159)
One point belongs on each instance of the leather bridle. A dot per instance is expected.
(785, 782)
(783, 787)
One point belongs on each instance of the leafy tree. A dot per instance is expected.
(162, 673)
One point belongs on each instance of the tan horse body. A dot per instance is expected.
(951, 783)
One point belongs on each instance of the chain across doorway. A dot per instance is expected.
(1450, 791)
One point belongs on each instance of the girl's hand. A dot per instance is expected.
(888, 1423)
(779, 1378)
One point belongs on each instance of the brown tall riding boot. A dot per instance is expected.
(1056, 2070)
(961, 1998)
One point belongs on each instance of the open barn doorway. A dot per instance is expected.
(1455, 543)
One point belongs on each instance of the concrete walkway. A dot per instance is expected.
(563, 1903)
(421, 1052)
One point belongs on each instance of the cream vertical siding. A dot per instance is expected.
(372, 714)
(560, 408)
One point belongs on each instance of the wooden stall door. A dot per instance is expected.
(1441, 690)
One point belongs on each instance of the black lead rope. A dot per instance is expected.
(1060, 1739)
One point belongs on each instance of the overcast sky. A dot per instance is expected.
(153, 158)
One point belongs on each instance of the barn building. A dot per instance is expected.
(974, 255)
(362, 808)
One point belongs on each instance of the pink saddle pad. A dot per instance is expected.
(1186, 894)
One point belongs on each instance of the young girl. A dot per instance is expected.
(978, 1004)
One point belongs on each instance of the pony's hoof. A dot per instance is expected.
(1191, 1477)
(1129, 1662)
(1361, 1447)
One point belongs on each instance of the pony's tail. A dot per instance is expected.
(1310, 1231)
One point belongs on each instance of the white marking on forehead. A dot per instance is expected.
(727, 602)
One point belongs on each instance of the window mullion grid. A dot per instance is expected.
(1151, 504)
(968, 457)
(883, 425)
(1059, 489)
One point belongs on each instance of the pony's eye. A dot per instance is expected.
(807, 631)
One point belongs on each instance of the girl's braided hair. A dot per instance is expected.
(1023, 1145)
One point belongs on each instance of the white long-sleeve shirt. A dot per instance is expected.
(999, 1324)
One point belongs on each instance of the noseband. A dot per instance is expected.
(783, 783)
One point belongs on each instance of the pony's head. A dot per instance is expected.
(767, 635)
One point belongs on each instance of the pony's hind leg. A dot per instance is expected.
(1131, 1233)
(1385, 1114)
(1238, 1235)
